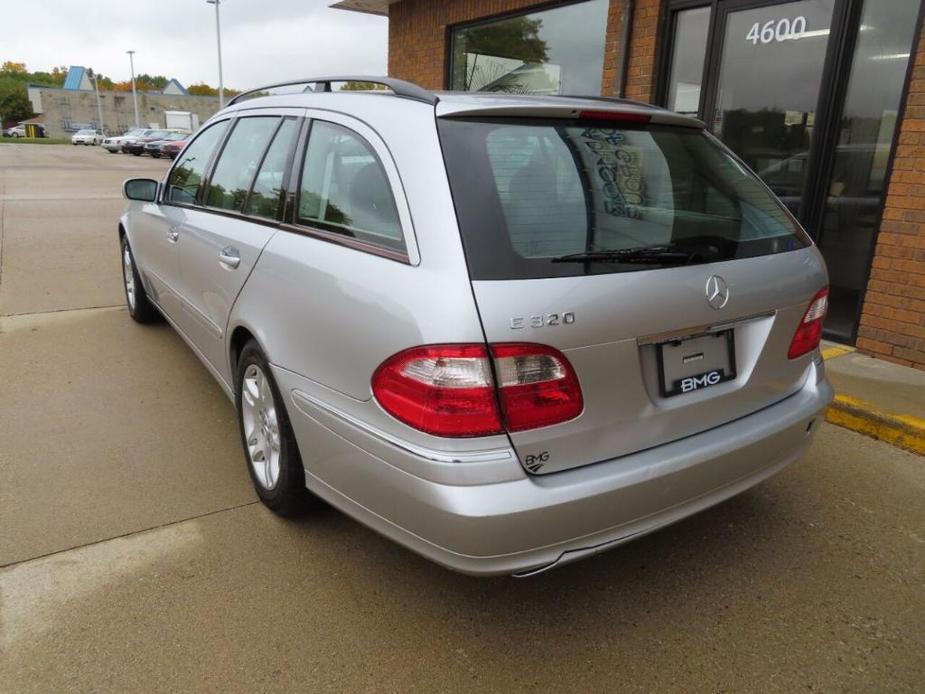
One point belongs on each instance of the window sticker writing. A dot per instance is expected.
(619, 168)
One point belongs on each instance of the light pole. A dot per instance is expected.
(131, 62)
(99, 108)
(218, 38)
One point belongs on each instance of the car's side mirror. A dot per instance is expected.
(141, 189)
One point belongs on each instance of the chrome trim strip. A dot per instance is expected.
(684, 333)
(495, 455)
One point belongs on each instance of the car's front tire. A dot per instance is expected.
(139, 306)
(270, 448)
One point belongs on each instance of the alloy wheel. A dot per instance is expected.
(261, 426)
(128, 275)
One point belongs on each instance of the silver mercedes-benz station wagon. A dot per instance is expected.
(505, 331)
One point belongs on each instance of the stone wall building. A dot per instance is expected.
(73, 107)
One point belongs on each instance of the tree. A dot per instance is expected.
(152, 83)
(21, 74)
(516, 39)
(14, 100)
(362, 87)
(14, 68)
(202, 89)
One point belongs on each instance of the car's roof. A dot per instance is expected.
(455, 104)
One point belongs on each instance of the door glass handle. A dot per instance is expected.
(230, 256)
(173, 234)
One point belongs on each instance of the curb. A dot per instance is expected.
(901, 431)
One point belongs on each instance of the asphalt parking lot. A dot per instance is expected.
(136, 558)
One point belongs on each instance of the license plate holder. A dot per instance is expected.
(696, 362)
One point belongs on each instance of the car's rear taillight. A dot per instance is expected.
(445, 390)
(449, 390)
(809, 332)
(536, 385)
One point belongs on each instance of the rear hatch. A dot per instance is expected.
(665, 272)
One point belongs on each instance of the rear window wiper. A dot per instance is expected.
(655, 255)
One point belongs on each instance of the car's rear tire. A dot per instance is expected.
(139, 306)
(270, 449)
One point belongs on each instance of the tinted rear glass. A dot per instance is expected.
(529, 193)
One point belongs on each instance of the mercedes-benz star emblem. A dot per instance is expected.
(717, 292)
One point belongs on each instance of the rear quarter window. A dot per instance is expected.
(345, 189)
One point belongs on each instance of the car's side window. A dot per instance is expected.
(266, 194)
(231, 179)
(345, 189)
(187, 174)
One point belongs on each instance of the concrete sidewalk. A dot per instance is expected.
(875, 397)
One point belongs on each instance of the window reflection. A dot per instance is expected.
(688, 55)
(345, 189)
(557, 51)
(188, 172)
(266, 196)
(238, 162)
(768, 88)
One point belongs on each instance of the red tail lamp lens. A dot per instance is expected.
(536, 384)
(444, 390)
(449, 390)
(809, 332)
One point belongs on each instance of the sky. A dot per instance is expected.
(263, 41)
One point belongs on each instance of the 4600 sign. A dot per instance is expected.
(777, 30)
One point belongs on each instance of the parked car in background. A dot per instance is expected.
(170, 150)
(410, 301)
(15, 131)
(87, 137)
(114, 144)
(155, 147)
(136, 145)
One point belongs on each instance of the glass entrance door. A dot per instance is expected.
(808, 93)
(767, 89)
(855, 181)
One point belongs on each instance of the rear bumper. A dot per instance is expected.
(531, 523)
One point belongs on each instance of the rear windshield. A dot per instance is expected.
(563, 198)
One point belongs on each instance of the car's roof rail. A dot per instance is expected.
(407, 90)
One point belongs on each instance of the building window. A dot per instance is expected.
(554, 51)
(688, 55)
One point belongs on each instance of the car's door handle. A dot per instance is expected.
(230, 256)
(173, 234)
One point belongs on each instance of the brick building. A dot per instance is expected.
(825, 99)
